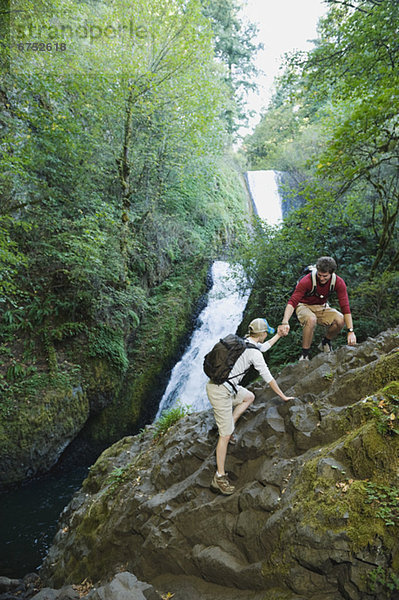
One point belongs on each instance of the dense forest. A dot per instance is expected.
(332, 129)
(119, 186)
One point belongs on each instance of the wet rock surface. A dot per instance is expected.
(297, 526)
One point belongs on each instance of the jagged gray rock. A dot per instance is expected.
(124, 586)
(65, 593)
(296, 527)
(19, 589)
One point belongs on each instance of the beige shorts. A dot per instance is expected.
(222, 401)
(325, 314)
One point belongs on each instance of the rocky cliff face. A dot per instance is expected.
(105, 400)
(33, 437)
(315, 514)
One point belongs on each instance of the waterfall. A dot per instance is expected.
(221, 316)
(223, 313)
(263, 187)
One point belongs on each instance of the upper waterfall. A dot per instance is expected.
(263, 188)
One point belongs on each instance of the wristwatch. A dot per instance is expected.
(350, 329)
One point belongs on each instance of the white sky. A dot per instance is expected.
(284, 25)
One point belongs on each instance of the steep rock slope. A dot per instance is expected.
(315, 513)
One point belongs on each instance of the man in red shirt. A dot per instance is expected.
(312, 308)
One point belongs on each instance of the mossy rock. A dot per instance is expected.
(157, 343)
(33, 437)
(339, 504)
(101, 382)
(361, 382)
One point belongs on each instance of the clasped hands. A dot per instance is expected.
(283, 329)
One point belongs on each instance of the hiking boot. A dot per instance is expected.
(325, 346)
(302, 357)
(222, 485)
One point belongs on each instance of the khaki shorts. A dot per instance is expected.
(222, 401)
(324, 313)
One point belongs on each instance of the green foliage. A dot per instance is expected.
(385, 501)
(118, 477)
(373, 303)
(168, 418)
(235, 48)
(108, 342)
(383, 581)
(332, 128)
(277, 129)
(10, 258)
(17, 371)
(24, 384)
(6, 403)
(113, 177)
(150, 351)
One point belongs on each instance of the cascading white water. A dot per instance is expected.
(263, 186)
(221, 316)
(223, 313)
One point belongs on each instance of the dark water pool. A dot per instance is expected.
(29, 517)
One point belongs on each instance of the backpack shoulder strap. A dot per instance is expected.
(249, 345)
(333, 280)
(313, 273)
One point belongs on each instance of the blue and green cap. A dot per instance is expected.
(259, 326)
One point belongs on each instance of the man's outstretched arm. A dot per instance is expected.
(284, 328)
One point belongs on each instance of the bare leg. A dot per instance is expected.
(334, 329)
(242, 407)
(223, 441)
(221, 451)
(308, 331)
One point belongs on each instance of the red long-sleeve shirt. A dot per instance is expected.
(305, 285)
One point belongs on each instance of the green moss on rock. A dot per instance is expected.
(366, 380)
(328, 504)
(386, 370)
(372, 455)
(33, 436)
(157, 342)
